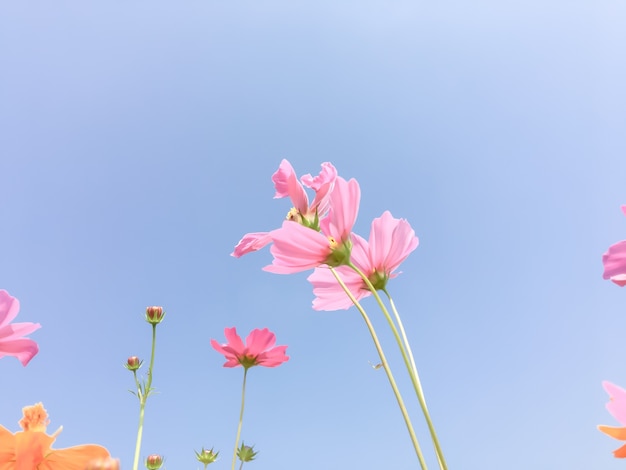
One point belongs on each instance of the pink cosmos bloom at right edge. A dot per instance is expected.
(259, 349)
(390, 243)
(12, 335)
(617, 407)
(614, 261)
(287, 185)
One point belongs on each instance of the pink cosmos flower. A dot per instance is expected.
(614, 261)
(259, 349)
(12, 335)
(287, 185)
(617, 408)
(391, 241)
(298, 248)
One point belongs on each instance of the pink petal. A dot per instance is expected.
(624, 209)
(24, 349)
(273, 358)
(259, 341)
(344, 208)
(287, 184)
(297, 248)
(9, 307)
(614, 261)
(251, 242)
(329, 295)
(391, 242)
(617, 404)
(234, 340)
(323, 185)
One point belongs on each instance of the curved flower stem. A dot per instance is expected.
(243, 401)
(407, 356)
(143, 397)
(385, 364)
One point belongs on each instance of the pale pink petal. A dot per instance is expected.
(9, 307)
(391, 241)
(344, 208)
(624, 209)
(251, 242)
(614, 261)
(323, 185)
(297, 248)
(15, 330)
(617, 403)
(287, 184)
(24, 349)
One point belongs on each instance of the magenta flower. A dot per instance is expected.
(287, 185)
(391, 241)
(298, 248)
(617, 408)
(614, 261)
(259, 349)
(12, 335)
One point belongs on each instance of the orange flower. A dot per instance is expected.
(31, 449)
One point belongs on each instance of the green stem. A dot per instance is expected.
(243, 401)
(143, 397)
(385, 364)
(405, 350)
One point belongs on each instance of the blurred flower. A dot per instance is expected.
(154, 315)
(106, 463)
(297, 248)
(390, 243)
(154, 462)
(12, 335)
(287, 184)
(133, 363)
(206, 456)
(617, 408)
(31, 448)
(259, 349)
(614, 261)
(246, 453)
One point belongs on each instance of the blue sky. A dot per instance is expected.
(137, 142)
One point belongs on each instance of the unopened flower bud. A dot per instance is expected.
(154, 462)
(246, 453)
(206, 456)
(133, 363)
(154, 315)
(106, 463)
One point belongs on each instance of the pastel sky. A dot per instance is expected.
(137, 143)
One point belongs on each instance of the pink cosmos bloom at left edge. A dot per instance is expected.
(298, 248)
(617, 407)
(390, 243)
(12, 335)
(259, 349)
(287, 185)
(614, 261)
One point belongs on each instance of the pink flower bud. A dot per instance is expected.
(133, 363)
(154, 315)
(154, 462)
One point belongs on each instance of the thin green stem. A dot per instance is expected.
(385, 364)
(243, 401)
(405, 350)
(143, 397)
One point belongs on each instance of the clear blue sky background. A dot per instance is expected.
(137, 142)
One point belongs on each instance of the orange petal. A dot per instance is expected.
(617, 433)
(7, 449)
(30, 449)
(73, 458)
(620, 453)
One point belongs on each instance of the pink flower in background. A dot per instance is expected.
(614, 261)
(391, 241)
(617, 408)
(12, 335)
(259, 349)
(298, 248)
(287, 184)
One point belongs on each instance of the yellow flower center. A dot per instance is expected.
(35, 418)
